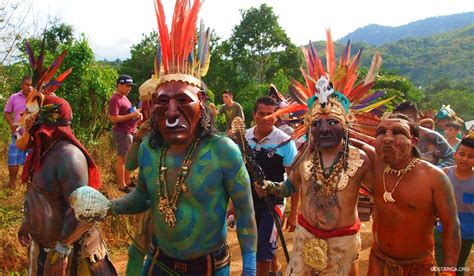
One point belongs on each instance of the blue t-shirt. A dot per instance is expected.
(464, 194)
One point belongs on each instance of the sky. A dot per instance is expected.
(113, 26)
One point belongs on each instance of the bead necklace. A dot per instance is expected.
(167, 202)
(325, 185)
(49, 148)
(388, 196)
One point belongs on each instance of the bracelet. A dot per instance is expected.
(63, 249)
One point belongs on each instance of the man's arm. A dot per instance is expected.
(240, 112)
(445, 150)
(115, 119)
(237, 185)
(9, 119)
(445, 205)
(131, 159)
(114, 116)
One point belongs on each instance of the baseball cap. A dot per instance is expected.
(125, 79)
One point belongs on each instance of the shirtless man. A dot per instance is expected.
(408, 195)
(57, 165)
(329, 172)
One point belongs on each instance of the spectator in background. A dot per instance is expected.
(431, 145)
(444, 116)
(263, 138)
(230, 109)
(12, 111)
(462, 179)
(451, 132)
(124, 118)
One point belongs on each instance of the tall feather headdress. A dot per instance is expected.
(182, 55)
(333, 90)
(43, 84)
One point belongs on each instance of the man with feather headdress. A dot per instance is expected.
(182, 172)
(328, 169)
(57, 165)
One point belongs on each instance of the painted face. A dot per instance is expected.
(464, 157)
(178, 110)
(394, 142)
(260, 114)
(327, 131)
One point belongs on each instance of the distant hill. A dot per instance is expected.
(423, 60)
(378, 35)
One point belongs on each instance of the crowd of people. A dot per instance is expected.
(319, 147)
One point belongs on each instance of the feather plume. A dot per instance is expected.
(330, 57)
(285, 110)
(374, 67)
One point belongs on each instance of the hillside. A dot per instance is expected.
(377, 35)
(424, 60)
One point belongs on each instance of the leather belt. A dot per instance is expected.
(206, 264)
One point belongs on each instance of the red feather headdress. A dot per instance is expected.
(182, 54)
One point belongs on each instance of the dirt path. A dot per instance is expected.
(236, 261)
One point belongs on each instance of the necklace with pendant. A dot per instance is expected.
(167, 205)
(388, 196)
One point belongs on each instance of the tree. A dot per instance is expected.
(254, 41)
(88, 87)
(14, 23)
(140, 64)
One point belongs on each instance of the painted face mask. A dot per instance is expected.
(44, 85)
(178, 110)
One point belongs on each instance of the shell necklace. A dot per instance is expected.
(388, 196)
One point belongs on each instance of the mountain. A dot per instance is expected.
(377, 35)
(426, 60)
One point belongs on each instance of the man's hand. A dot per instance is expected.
(56, 264)
(137, 114)
(23, 235)
(291, 223)
(261, 192)
(142, 131)
(213, 109)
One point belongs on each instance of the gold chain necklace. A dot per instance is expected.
(388, 196)
(167, 202)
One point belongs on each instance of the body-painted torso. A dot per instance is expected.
(217, 173)
(63, 169)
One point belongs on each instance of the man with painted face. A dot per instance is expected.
(431, 145)
(328, 169)
(408, 195)
(182, 171)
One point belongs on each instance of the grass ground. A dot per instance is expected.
(13, 257)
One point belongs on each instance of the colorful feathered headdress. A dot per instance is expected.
(43, 85)
(333, 90)
(182, 54)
